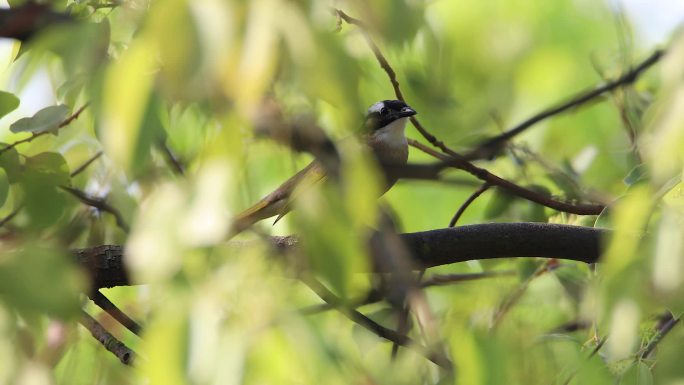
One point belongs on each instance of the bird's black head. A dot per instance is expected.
(385, 112)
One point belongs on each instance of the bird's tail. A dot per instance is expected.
(268, 207)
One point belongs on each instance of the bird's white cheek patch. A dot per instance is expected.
(376, 107)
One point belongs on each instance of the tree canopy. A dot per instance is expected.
(535, 235)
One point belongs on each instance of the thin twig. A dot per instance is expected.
(593, 352)
(515, 296)
(111, 343)
(105, 304)
(99, 204)
(485, 186)
(375, 296)
(484, 175)
(664, 327)
(11, 215)
(486, 149)
(448, 279)
(403, 326)
(381, 331)
(171, 158)
(64, 123)
(87, 163)
(599, 345)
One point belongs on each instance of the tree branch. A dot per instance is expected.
(171, 158)
(665, 324)
(432, 171)
(427, 248)
(105, 304)
(449, 279)
(381, 331)
(99, 204)
(64, 123)
(111, 343)
(85, 165)
(491, 146)
(23, 22)
(485, 186)
(104, 265)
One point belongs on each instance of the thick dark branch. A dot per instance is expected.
(505, 240)
(428, 248)
(491, 146)
(23, 22)
(104, 265)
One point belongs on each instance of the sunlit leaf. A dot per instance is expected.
(44, 120)
(8, 103)
(166, 342)
(333, 254)
(126, 94)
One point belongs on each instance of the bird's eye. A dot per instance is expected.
(384, 111)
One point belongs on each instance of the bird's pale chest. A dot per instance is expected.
(389, 143)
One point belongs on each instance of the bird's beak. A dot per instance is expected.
(406, 112)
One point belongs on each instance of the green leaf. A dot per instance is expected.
(527, 267)
(15, 3)
(51, 167)
(45, 202)
(637, 374)
(9, 161)
(636, 174)
(498, 204)
(385, 316)
(37, 280)
(574, 281)
(566, 183)
(8, 103)
(537, 212)
(4, 187)
(44, 120)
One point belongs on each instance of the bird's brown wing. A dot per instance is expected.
(279, 201)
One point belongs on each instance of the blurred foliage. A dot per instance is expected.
(186, 79)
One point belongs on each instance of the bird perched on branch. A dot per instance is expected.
(384, 134)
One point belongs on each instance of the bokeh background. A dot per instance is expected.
(191, 77)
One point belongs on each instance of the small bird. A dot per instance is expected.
(384, 134)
